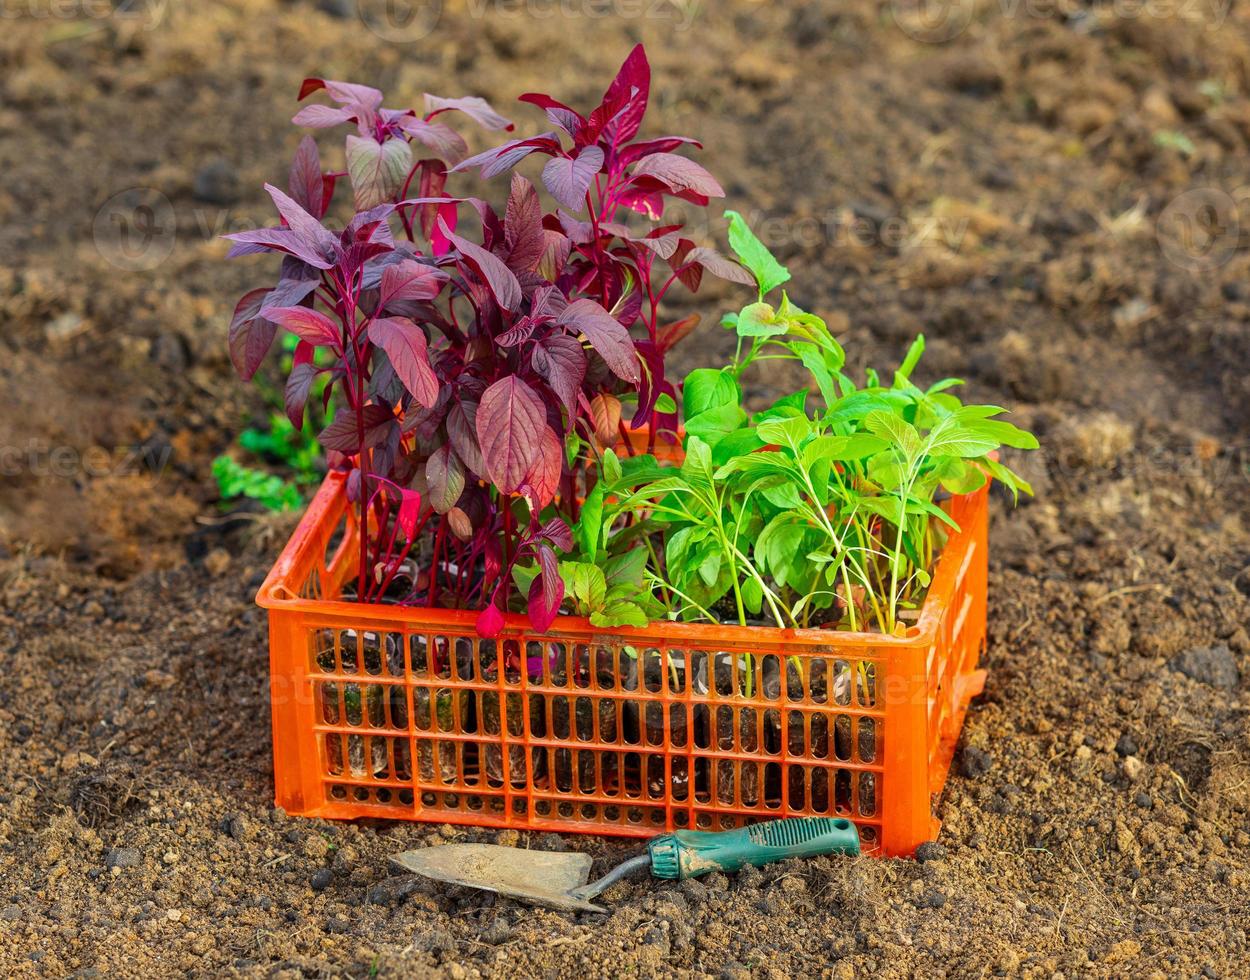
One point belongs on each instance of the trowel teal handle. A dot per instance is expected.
(690, 853)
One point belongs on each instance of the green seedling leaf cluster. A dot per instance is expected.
(825, 509)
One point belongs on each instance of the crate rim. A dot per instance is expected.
(919, 638)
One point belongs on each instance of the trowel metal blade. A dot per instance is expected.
(537, 877)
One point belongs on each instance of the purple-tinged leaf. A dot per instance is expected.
(309, 229)
(547, 302)
(523, 226)
(662, 245)
(670, 335)
(497, 276)
(345, 93)
(569, 180)
(473, 106)
(510, 420)
(546, 591)
(448, 145)
(678, 174)
(317, 116)
(290, 292)
(627, 308)
(605, 410)
(278, 240)
(560, 360)
(295, 396)
(305, 183)
(644, 148)
(343, 436)
(518, 333)
(506, 157)
(377, 170)
(645, 202)
(410, 280)
(406, 346)
(462, 430)
(689, 273)
(625, 101)
(307, 324)
(556, 249)
(558, 533)
(542, 481)
(409, 512)
(578, 232)
(444, 474)
(719, 266)
(606, 336)
(460, 524)
(490, 622)
(567, 119)
(250, 335)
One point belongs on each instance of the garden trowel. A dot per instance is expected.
(558, 880)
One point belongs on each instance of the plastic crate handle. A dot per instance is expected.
(690, 853)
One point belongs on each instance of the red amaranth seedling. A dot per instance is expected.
(474, 371)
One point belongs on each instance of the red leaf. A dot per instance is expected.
(250, 336)
(558, 533)
(460, 524)
(678, 174)
(560, 360)
(310, 325)
(317, 116)
(342, 435)
(510, 420)
(409, 511)
(444, 473)
(523, 230)
(546, 591)
(405, 345)
(606, 335)
(667, 337)
(625, 101)
(543, 480)
(719, 266)
(605, 409)
(568, 180)
(497, 276)
(410, 280)
(305, 181)
(476, 108)
(490, 622)
(505, 157)
(462, 430)
(295, 395)
(447, 144)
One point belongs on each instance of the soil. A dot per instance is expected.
(1050, 195)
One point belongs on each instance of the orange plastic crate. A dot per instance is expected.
(405, 713)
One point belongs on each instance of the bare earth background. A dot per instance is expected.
(1049, 191)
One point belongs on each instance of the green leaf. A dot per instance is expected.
(779, 545)
(751, 252)
(698, 462)
(611, 467)
(589, 528)
(782, 493)
(665, 404)
(895, 430)
(620, 613)
(785, 431)
(752, 596)
(626, 569)
(759, 320)
(814, 361)
(740, 442)
(572, 448)
(794, 403)
(707, 388)
(903, 374)
(709, 567)
(585, 584)
(716, 423)
(957, 476)
(677, 549)
(523, 576)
